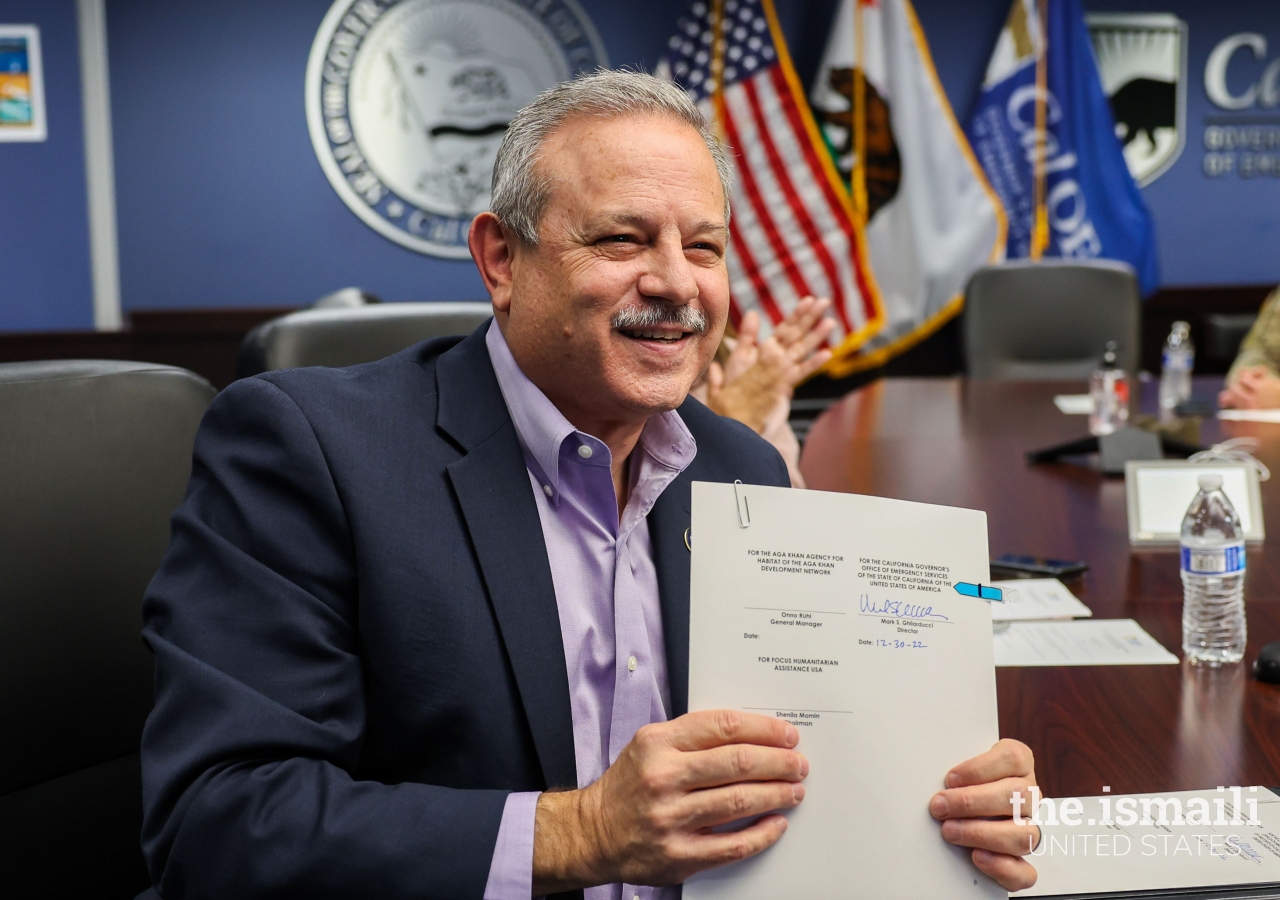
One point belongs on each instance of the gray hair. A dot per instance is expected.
(521, 193)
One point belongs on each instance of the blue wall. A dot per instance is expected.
(1215, 230)
(222, 202)
(44, 217)
(221, 199)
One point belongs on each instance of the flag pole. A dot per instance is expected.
(1040, 227)
(859, 178)
(717, 67)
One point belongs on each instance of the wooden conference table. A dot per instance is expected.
(1134, 728)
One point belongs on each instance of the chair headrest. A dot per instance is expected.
(349, 336)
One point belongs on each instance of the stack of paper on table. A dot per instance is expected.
(1074, 404)
(1084, 642)
(1041, 631)
(1036, 598)
(1250, 415)
(1111, 854)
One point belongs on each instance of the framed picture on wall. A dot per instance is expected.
(21, 84)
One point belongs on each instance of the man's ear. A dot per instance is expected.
(493, 251)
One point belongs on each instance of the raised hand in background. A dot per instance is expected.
(754, 380)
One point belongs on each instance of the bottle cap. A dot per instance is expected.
(1109, 356)
(1210, 482)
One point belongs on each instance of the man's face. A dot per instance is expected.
(621, 305)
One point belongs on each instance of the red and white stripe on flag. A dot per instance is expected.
(794, 233)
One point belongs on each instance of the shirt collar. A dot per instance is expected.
(542, 428)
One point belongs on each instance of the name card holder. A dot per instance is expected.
(1158, 493)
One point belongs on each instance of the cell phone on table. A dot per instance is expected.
(1039, 565)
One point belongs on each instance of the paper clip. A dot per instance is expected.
(744, 512)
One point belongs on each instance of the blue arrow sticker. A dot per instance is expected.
(982, 591)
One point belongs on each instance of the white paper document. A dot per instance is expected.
(1036, 598)
(1081, 642)
(1250, 415)
(1111, 850)
(1074, 404)
(840, 613)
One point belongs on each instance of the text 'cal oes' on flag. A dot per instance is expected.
(794, 231)
(1046, 136)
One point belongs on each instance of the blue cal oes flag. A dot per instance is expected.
(1088, 199)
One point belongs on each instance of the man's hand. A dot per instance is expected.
(648, 819)
(1255, 387)
(976, 811)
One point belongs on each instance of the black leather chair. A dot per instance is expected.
(347, 336)
(94, 456)
(1052, 319)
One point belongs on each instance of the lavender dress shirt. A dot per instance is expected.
(607, 594)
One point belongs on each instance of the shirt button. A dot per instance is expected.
(584, 451)
(631, 667)
(546, 489)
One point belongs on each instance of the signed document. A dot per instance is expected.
(840, 613)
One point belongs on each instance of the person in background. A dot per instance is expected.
(1254, 379)
(752, 380)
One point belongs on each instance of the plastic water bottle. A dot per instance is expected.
(1175, 370)
(1213, 625)
(1109, 388)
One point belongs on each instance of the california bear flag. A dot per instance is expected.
(931, 216)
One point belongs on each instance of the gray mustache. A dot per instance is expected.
(650, 315)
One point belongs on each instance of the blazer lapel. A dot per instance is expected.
(668, 521)
(492, 485)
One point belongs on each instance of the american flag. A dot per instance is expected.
(795, 232)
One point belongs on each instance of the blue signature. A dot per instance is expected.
(898, 609)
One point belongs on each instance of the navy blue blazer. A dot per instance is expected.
(358, 652)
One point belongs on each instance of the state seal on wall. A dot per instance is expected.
(408, 100)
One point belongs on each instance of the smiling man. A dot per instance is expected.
(422, 629)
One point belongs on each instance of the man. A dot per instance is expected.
(422, 630)
(1254, 379)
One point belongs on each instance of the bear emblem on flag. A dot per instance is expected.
(883, 167)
